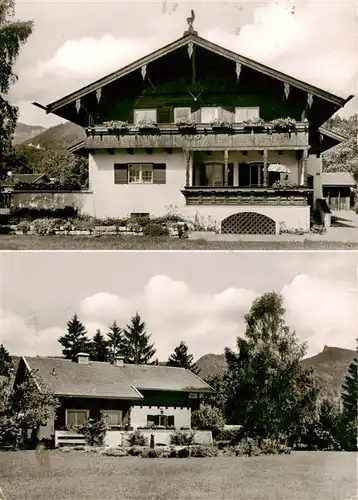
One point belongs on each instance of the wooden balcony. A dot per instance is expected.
(199, 195)
(5, 200)
(205, 138)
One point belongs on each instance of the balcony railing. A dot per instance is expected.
(252, 137)
(208, 195)
(5, 200)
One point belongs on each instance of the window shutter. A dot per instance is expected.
(165, 114)
(150, 418)
(120, 173)
(171, 421)
(156, 419)
(159, 173)
(231, 174)
(196, 115)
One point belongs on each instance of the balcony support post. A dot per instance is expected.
(188, 158)
(226, 167)
(265, 168)
(303, 179)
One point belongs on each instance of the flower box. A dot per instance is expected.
(148, 127)
(186, 126)
(117, 127)
(222, 126)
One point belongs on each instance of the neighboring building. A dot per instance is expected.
(337, 189)
(129, 396)
(192, 127)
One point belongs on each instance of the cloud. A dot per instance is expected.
(321, 311)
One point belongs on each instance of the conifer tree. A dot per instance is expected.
(75, 339)
(115, 341)
(6, 363)
(350, 406)
(181, 358)
(137, 347)
(99, 347)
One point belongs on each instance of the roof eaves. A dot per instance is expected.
(52, 107)
(31, 372)
(333, 135)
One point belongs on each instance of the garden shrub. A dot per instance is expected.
(46, 226)
(137, 439)
(5, 229)
(232, 436)
(204, 451)
(173, 453)
(19, 214)
(138, 451)
(181, 438)
(208, 418)
(23, 226)
(155, 230)
(183, 453)
(94, 431)
(153, 453)
(248, 447)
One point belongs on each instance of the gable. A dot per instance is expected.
(183, 62)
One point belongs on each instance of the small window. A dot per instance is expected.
(140, 173)
(76, 417)
(244, 114)
(145, 114)
(182, 114)
(209, 114)
(160, 420)
(193, 395)
(112, 417)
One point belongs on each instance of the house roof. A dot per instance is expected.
(27, 178)
(103, 380)
(337, 179)
(203, 43)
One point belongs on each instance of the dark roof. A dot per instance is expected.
(333, 135)
(337, 179)
(201, 42)
(97, 379)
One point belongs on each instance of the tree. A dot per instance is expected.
(208, 418)
(99, 348)
(25, 406)
(6, 363)
(115, 341)
(75, 340)
(13, 34)
(271, 394)
(183, 359)
(350, 406)
(137, 347)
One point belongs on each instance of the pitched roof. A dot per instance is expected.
(206, 44)
(27, 178)
(97, 379)
(337, 179)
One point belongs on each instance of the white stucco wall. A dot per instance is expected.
(120, 200)
(314, 168)
(117, 438)
(182, 416)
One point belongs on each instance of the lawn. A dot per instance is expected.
(14, 242)
(76, 475)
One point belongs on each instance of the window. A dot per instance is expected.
(244, 114)
(76, 417)
(140, 173)
(209, 114)
(160, 420)
(182, 114)
(113, 418)
(145, 114)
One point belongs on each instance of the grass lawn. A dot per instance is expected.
(76, 475)
(13, 242)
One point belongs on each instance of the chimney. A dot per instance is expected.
(118, 361)
(82, 358)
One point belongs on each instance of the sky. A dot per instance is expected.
(76, 42)
(198, 297)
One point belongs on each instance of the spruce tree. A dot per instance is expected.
(181, 358)
(6, 363)
(137, 347)
(75, 340)
(99, 348)
(350, 406)
(115, 341)
(13, 34)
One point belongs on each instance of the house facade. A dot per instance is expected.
(128, 397)
(199, 130)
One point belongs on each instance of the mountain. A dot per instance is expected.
(25, 132)
(59, 136)
(331, 366)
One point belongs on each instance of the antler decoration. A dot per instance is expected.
(98, 94)
(190, 20)
(78, 105)
(309, 100)
(190, 49)
(238, 70)
(144, 71)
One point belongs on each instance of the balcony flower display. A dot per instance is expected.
(222, 126)
(186, 126)
(148, 127)
(117, 127)
(283, 124)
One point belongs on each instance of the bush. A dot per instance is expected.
(45, 226)
(155, 230)
(208, 418)
(232, 436)
(137, 439)
(173, 454)
(19, 214)
(153, 453)
(204, 451)
(5, 229)
(270, 447)
(116, 452)
(137, 451)
(23, 226)
(183, 453)
(94, 431)
(181, 438)
(248, 447)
